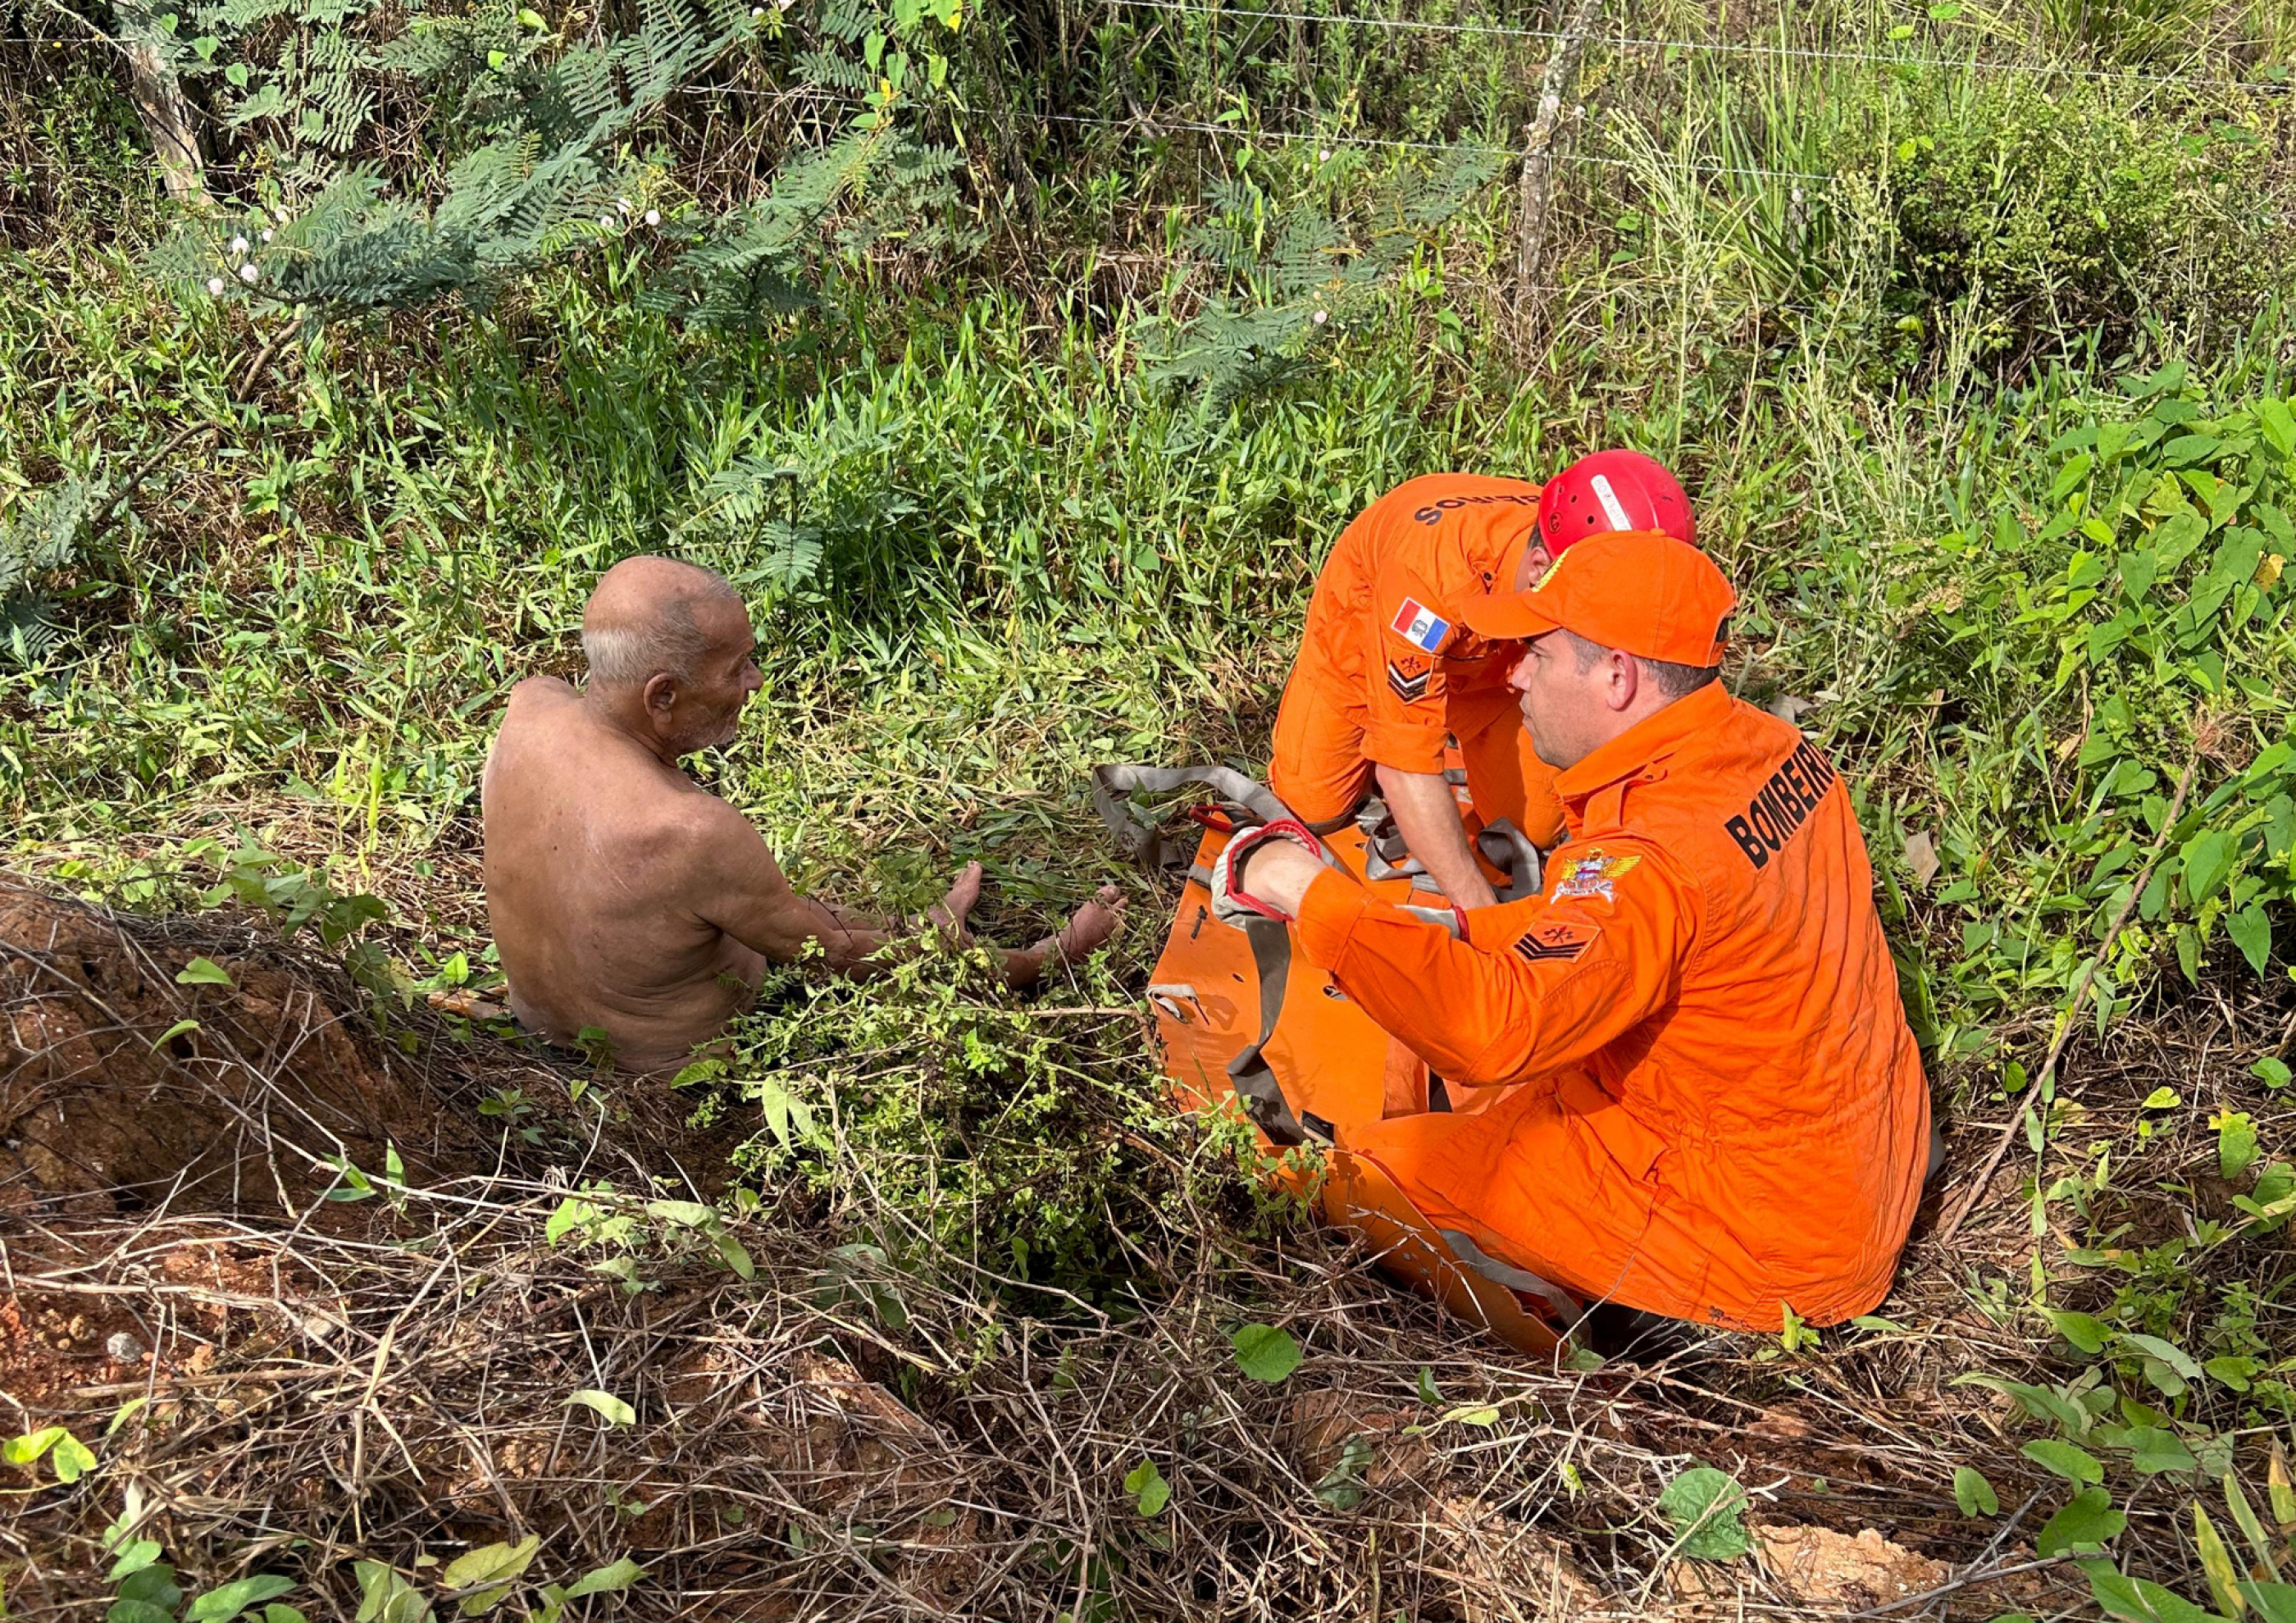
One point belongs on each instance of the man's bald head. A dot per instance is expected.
(654, 617)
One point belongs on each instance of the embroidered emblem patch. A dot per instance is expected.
(1420, 625)
(1409, 677)
(1556, 939)
(1590, 874)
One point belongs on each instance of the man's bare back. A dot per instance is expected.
(622, 895)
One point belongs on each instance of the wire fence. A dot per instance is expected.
(1741, 47)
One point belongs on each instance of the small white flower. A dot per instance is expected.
(783, 5)
(239, 245)
(621, 205)
(215, 287)
(248, 273)
(1797, 195)
(281, 212)
(1322, 317)
(265, 234)
(654, 217)
(1324, 156)
(606, 220)
(756, 10)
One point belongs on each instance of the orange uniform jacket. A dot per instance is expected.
(1714, 1105)
(1385, 673)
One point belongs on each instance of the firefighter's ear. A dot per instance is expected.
(1625, 679)
(661, 695)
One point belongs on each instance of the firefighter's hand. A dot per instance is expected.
(1270, 851)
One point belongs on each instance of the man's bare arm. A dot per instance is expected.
(1428, 814)
(739, 887)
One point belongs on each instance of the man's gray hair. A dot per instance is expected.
(644, 625)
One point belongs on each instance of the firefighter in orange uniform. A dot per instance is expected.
(1711, 1107)
(1385, 672)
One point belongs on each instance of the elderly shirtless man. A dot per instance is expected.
(623, 895)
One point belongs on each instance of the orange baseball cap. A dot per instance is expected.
(1648, 594)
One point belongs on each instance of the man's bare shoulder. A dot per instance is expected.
(535, 695)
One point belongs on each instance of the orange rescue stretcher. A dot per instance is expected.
(1241, 1016)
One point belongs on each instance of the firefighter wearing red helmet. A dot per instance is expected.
(1387, 676)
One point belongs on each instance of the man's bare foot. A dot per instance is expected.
(1088, 927)
(949, 914)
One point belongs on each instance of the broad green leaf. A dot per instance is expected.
(2209, 857)
(126, 1611)
(2236, 1142)
(2154, 1449)
(1264, 1353)
(2085, 1332)
(70, 1459)
(225, 1602)
(1149, 1490)
(1704, 1506)
(202, 972)
(489, 1573)
(570, 1212)
(2163, 1099)
(2085, 1524)
(1973, 1494)
(606, 1403)
(2175, 1357)
(2076, 1465)
(2251, 931)
(278, 1613)
(737, 1258)
(28, 1448)
(2232, 1371)
(155, 1585)
(1474, 1415)
(1428, 1392)
(386, 1597)
(133, 1556)
(2140, 1599)
(2244, 1517)
(175, 1032)
(691, 1214)
(2271, 1071)
(616, 1576)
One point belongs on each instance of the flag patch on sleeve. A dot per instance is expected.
(1420, 625)
(1556, 939)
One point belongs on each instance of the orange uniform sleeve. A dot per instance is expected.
(1536, 986)
(1403, 677)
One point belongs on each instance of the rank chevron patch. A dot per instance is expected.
(1408, 687)
(1556, 939)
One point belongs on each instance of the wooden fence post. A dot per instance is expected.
(1539, 164)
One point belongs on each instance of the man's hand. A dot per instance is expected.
(1427, 813)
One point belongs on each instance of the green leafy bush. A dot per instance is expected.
(2056, 211)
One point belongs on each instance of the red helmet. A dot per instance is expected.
(1613, 490)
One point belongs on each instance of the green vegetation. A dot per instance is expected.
(1020, 370)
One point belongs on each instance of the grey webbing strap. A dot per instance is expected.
(1511, 853)
(1464, 1247)
(1137, 837)
(1256, 1084)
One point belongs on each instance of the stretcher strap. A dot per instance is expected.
(1522, 1281)
(1511, 853)
(1135, 836)
(1255, 1083)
